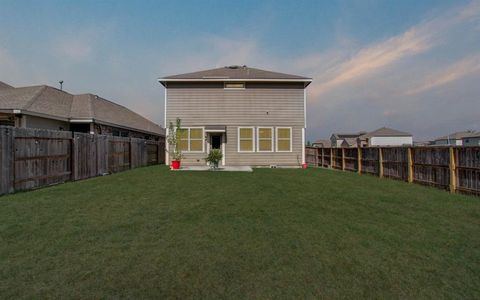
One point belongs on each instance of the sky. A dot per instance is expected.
(410, 65)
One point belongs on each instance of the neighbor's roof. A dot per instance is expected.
(456, 135)
(348, 135)
(323, 143)
(233, 73)
(50, 102)
(385, 131)
(3, 85)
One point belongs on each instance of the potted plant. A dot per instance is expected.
(214, 157)
(173, 138)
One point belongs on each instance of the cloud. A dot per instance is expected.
(377, 57)
(77, 46)
(452, 73)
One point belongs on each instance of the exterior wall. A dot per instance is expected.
(268, 105)
(44, 123)
(110, 130)
(390, 140)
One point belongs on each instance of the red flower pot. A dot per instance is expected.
(175, 164)
(304, 166)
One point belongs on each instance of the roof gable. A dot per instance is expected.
(234, 73)
(385, 131)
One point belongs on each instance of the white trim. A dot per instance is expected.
(17, 111)
(214, 130)
(305, 108)
(189, 139)
(238, 139)
(81, 121)
(223, 148)
(271, 139)
(231, 79)
(276, 138)
(165, 110)
(303, 146)
(167, 148)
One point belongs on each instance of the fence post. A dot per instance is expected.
(332, 159)
(323, 159)
(359, 160)
(343, 159)
(410, 164)
(453, 171)
(380, 163)
(73, 161)
(130, 152)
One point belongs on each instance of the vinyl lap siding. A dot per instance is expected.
(205, 106)
(259, 106)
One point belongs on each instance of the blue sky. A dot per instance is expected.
(411, 65)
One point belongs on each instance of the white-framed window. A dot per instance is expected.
(284, 139)
(246, 139)
(265, 139)
(191, 139)
(234, 85)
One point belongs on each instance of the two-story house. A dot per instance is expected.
(256, 117)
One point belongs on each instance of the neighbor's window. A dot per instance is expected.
(245, 139)
(284, 139)
(234, 85)
(265, 139)
(190, 139)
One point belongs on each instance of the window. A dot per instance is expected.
(265, 139)
(234, 85)
(245, 139)
(284, 139)
(190, 139)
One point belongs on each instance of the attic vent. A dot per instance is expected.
(236, 67)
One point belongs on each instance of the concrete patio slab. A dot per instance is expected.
(220, 169)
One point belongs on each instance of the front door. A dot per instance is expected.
(216, 142)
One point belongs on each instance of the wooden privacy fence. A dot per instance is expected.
(453, 168)
(32, 158)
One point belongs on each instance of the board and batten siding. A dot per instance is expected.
(256, 105)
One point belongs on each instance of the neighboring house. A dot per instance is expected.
(337, 139)
(453, 139)
(45, 107)
(471, 140)
(322, 144)
(256, 117)
(385, 137)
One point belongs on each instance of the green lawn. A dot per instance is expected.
(151, 233)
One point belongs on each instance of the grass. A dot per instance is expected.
(151, 233)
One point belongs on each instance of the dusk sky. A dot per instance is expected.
(410, 65)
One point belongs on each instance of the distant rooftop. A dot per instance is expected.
(458, 135)
(3, 85)
(235, 73)
(385, 131)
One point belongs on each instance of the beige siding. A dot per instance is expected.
(259, 105)
(44, 123)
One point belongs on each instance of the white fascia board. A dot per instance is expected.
(232, 80)
(81, 121)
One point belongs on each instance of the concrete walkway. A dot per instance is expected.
(220, 169)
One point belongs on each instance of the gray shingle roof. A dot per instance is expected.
(236, 72)
(385, 131)
(3, 85)
(49, 101)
